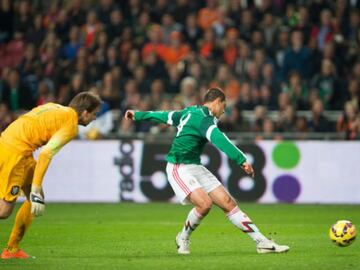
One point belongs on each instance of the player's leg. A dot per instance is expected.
(202, 205)
(227, 203)
(8, 189)
(22, 222)
(224, 200)
(188, 190)
(23, 217)
(6, 208)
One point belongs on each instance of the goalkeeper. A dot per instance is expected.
(191, 181)
(52, 126)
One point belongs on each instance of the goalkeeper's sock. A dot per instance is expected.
(244, 223)
(22, 222)
(192, 221)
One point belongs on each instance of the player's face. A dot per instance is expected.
(219, 108)
(88, 117)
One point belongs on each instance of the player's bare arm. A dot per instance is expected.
(246, 166)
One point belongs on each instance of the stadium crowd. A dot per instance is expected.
(283, 56)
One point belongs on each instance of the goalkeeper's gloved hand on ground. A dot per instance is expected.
(37, 201)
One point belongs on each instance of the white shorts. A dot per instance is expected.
(185, 178)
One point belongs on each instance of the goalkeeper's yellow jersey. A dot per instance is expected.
(52, 125)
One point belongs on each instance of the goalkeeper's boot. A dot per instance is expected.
(269, 246)
(14, 254)
(183, 245)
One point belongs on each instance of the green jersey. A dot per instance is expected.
(195, 127)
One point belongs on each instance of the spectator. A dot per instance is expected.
(346, 122)
(188, 94)
(23, 19)
(44, 94)
(234, 121)
(269, 30)
(192, 32)
(158, 9)
(222, 23)
(267, 98)
(279, 50)
(155, 67)
(208, 15)
(243, 60)
(298, 92)
(182, 9)
(303, 23)
(169, 26)
(297, 57)
(6, 116)
(115, 27)
(226, 81)
(287, 119)
(354, 92)
(268, 128)
(327, 85)
(260, 116)
(176, 51)
(325, 31)
(354, 132)
(110, 90)
(62, 25)
(100, 48)
(245, 101)
(104, 10)
(37, 33)
(16, 95)
(155, 43)
(208, 47)
(70, 49)
(91, 28)
(301, 125)
(318, 122)
(6, 22)
(141, 80)
(230, 47)
(247, 25)
(140, 29)
(157, 92)
(77, 13)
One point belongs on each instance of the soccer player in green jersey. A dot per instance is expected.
(192, 182)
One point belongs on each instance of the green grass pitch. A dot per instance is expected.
(141, 236)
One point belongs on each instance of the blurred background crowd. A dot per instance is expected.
(286, 66)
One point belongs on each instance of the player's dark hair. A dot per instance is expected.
(85, 101)
(214, 93)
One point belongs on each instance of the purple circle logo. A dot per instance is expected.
(286, 188)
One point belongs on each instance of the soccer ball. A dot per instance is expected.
(342, 233)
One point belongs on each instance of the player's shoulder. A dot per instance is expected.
(62, 111)
(200, 111)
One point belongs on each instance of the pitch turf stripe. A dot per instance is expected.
(179, 181)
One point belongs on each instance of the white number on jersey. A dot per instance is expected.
(182, 124)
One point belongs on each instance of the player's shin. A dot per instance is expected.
(22, 222)
(192, 221)
(244, 223)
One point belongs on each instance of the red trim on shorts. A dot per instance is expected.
(178, 179)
